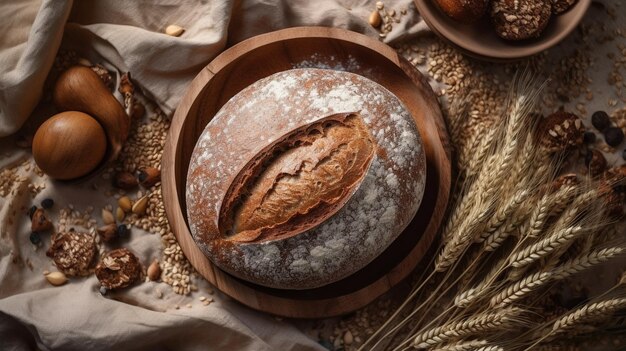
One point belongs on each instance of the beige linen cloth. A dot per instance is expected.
(128, 36)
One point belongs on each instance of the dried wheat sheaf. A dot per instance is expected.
(517, 227)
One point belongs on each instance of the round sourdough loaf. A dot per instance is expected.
(304, 177)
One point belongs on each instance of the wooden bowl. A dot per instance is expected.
(259, 57)
(481, 41)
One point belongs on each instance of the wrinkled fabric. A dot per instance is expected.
(128, 36)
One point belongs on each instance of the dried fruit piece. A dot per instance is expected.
(118, 269)
(125, 204)
(35, 239)
(123, 231)
(107, 216)
(613, 136)
(148, 176)
(139, 110)
(589, 137)
(108, 232)
(72, 252)
(124, 180)
(154, 271)
(56, 278)
(140, 206)
(600, 120)
(47, 203)
(39, 221)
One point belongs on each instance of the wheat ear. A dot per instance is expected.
(519, 289)
(581, 263)
(588, 313)
(463, 346)
(501, 215)
(490, 348)
(523, 287)
(480, 324)
(544, 247)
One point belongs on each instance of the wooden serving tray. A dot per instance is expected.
(259, 57)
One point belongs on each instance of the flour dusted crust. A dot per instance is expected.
(328, 239)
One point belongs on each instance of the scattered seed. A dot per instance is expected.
(123, 231)
(348, 338)
(107, 217)
(139, 207)
(375, 19)
(31, 212)
(56, 278)
(174, 30)
(125, 204)
(154, 271)
(119, 214)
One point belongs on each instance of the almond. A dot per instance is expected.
(125, 203)
(140, 206)
(124, 180)
(154, 271)
(56, 278)
(107, 217)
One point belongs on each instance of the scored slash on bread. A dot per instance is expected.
(311, 171)
(289, 187)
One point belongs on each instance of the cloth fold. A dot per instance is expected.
(128, 36)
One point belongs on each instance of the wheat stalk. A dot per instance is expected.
(463, 346)
(480, 324)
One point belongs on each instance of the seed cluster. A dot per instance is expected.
(143, 149)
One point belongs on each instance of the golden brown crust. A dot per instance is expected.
(298, 181)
